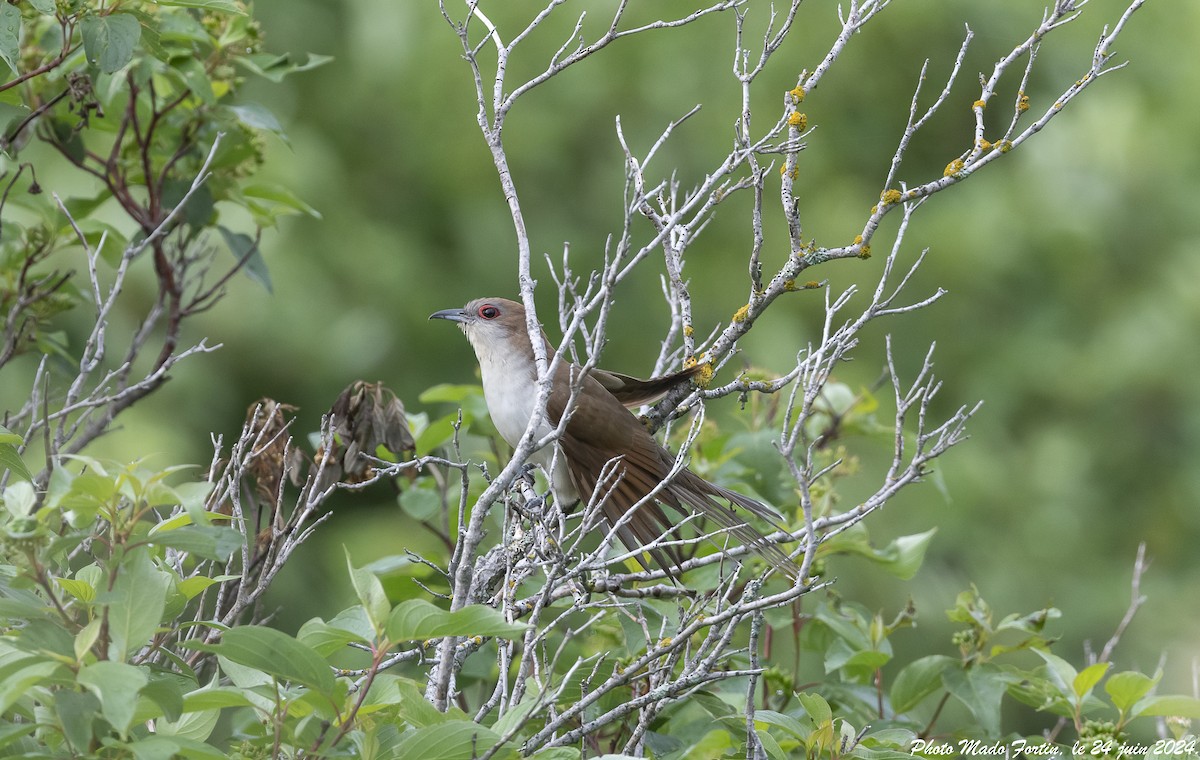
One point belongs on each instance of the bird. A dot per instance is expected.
(600, 430)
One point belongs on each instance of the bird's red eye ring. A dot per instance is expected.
(487, 311)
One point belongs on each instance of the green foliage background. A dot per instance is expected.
(1073, 270)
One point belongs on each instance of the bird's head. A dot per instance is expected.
(491, 324)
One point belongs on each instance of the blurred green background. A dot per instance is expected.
(1073, 270)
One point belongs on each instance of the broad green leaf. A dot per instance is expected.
(816, 707)
(420, 500)
(8, 436)
(23, 674)
(1127, 687)
(225, 6)
(9, 458)
(245, 250)
(44, 7)
(981, 689)
(109, 40)
(214, 698)
(194, 586)
(275, 653)
(280, 196)
(116, 684)
(770, 746)
(1088, 678)
(439, 433)
(192, 725)
(81, 590)
(415, 710)
(1062, 673)
(326, 639)
(154, 748)
(76, 710)
(275, 67)
(10, 35)
(451, 740)
(20, 499)
(789, 724)
(256, 116)
(135, 605)
(918, 679)
(1168, 704)
(517, 715)
(370, 592)
(417, 620)
(215, 542)
(163, 696)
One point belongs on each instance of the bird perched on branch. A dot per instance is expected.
(600, 430)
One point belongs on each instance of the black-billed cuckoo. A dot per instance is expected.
(600, 430)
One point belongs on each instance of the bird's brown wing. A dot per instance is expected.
(599, 426)
(632, 391)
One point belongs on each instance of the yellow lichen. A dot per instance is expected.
(789, 285)
(812, 284)
(665, 642)
(864, 252)
(741, 314)
(797, 94)
(689, 362)
(704, 376)
(984, 145)
(687, 330)
(979, 104)
(1004, 146)
(794, 173)
(1022, 102)
(954, 167)
(890, 196)
(798, 120)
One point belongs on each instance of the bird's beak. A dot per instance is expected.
(454, 315)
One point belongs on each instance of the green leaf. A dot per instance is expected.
(438, 433)
(193, 725)
(10, 459)
(19, 500)
(816, 707)
(370, 592)
(918, 679)
(81, 590)
(44, 7)
(215, 542)
(245, 250)
(325, 639)
(281, 197)
(135, 605)
(76, 710)
(23, 674)
(116, 684)
(981, 688)
(109, 40)
(10, 35)
(417, 620)
(1167, 705)
(1088, 678)
(258, 117)
(789, 724)
(451, 740)
(275, 653)
(1062, 673)
(225, 6)
(275, 67)
(420, 501)
(1127, 687)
